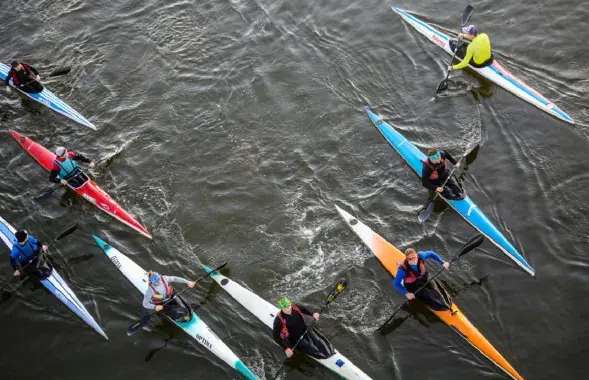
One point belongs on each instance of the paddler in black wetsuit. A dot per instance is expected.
(290, 325)
(435, 172)
(24, 77)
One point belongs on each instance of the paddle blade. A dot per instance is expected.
(427, 211)
(471, 244)
(45, 194)
(466, 14)
(472, 155)
(71, 228)
(442, 86)
(61, 71)
(339, 288)
(138, 325)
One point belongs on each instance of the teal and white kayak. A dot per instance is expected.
(465, 207)
(196, 328)
(49, 99)
(55, 284)
(495, 72)
(266, 312)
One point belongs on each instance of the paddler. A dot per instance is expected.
(435, 171)
(478, 53)
(24, 77)
(412, 275)
(159, 292)
(66, 170)
(24, 256)
(290, 325)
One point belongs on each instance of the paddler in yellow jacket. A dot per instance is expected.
(478, 53)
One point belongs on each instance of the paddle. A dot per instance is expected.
(60, 71)
(471, 244)
(465, 17)
(138, 325)
(68, 230)
(425, 211)
(341, 285)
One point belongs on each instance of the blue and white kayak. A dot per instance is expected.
(465, 207)
(49, 99)
(55, 284)
(495, 72)
(266, 313)
(196, 328)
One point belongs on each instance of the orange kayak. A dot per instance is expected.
(390, 257)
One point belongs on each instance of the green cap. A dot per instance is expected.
(284, 303)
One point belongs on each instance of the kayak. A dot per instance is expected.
(49, 99)
(89, 190)
(465, 207)
(266, 312)
(55, 284)
(390, 257)
(495, 72)
(196, 328)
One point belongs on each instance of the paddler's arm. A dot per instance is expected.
(276, 327)
(179, 280)
(147, 300)
(425, 255)
(34, 70)
(308, 311)
(78, 157)
(466, 60)
(399, 277)
(54, 173)
(449, 157)
(425, 173)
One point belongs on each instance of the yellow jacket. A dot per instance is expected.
(479, 50)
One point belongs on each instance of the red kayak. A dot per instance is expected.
(89, 190)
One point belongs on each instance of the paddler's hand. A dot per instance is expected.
(63, 182)
(16, 273)
(44, 247)
(288, 352)
(191, 284)
(450, 68)
(91, 164)
(8, 89)
(457, 165)
(410, 296)
(159, 308)
(316, 316)
(446, 265)
(440, 190)
(38, 78)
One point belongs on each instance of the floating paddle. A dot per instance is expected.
(471, 244)
(68, 230)
(424, 212)
(339, 288)
(138, 325)
(465, 17)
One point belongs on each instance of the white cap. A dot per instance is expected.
(60, 151)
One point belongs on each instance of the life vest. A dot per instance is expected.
(68, 168)
(14, 75)
(410, 275)
(284, 330)
(159, 298)
(434, 175)
(26, 252)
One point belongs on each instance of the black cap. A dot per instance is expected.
(21, 236)
(14, 63)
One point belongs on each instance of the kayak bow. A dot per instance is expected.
(266, 312)
(89, 190)
(390, 257)
(465, 207)
(495, 72)
(196, 328)
(49, 99)
(55, 284)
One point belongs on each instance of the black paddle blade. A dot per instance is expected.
(339, 288)
(442, 86)
(71, 228)
(138, 325)
(472, 155)
(61, 71)
(471, 244)
(45, 194)
(466, 14)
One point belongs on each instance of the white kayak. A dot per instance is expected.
(266, 312)
(495, 72)
(55, 284)
(49, 99)
(196, 328)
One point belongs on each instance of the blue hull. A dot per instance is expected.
(465, 207)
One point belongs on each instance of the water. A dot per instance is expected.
(233, 127)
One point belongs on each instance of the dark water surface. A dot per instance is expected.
(235, 125)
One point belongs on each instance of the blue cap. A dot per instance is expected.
(154, 278)
(471, 29)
